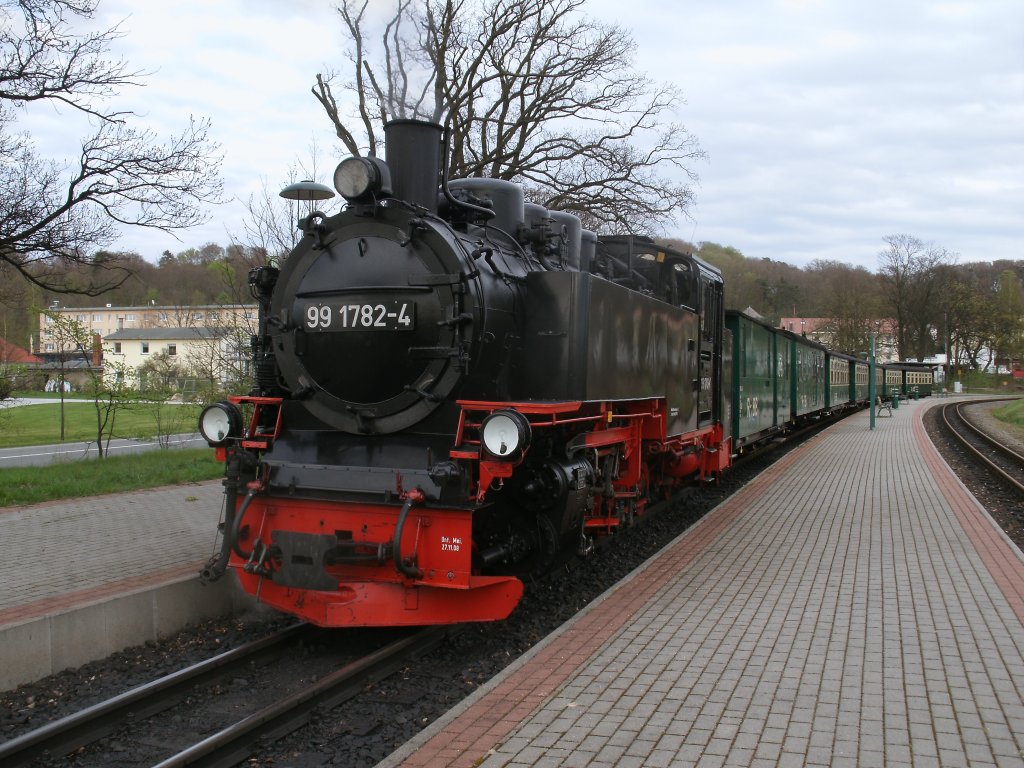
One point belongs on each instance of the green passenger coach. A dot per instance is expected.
(808, 365)
(840, 393)
(909, 379)
(754, 378)
(779, 379)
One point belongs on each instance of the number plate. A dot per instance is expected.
(358, 316)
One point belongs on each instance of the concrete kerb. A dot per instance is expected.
(43, 645)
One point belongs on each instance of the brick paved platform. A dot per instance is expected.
(852, 606)
(87, 577)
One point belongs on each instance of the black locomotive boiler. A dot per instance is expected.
(454, 388)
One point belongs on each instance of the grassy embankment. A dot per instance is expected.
(980, 382)
(40, 425)
(1011, 413)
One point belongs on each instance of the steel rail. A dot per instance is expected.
(235, 743)
(988, 441)
(88, 725)
(1004, 449)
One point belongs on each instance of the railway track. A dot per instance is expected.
(1001, 461)
(236, 741)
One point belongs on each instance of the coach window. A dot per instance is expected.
(685, 287)
(709, 310)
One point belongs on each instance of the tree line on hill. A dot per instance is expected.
(938, 304)
(212, 274)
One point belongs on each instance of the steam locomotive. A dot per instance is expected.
(455, 388)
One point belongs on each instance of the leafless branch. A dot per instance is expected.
(52, 213)
(536, 92)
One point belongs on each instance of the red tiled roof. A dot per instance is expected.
(814, 324)
(9, 353)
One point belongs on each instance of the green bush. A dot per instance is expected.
(981, 381)
(6, 385)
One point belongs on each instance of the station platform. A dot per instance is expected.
(91, 576)
(854, 605)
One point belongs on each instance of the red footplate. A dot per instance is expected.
(334, 564)
(370, 604)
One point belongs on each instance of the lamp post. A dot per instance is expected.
(305, 190)
(871, 379)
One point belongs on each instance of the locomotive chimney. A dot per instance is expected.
(412, 150)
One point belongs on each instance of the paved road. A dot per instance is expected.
(42, 455)
(15, 401)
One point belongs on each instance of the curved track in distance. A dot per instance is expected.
(1004, 463)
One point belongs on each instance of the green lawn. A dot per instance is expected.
(40, 424)
(92, 477)
(1011, 413)
(27, 425)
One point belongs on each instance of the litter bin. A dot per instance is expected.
(895, 401)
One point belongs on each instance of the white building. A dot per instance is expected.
(104, 321)
(215, 354)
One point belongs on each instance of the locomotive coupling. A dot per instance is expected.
(409, 569)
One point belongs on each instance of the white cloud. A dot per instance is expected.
(884, 118)
(828, 124)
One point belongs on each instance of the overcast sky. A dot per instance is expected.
(828, 124)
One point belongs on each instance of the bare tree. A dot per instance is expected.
(110, 390)
(1009, 316)
(533, 91)
(982, 310)
(849, 297)
(108, 387)
(70, 339)
(269, 225)
(911, 278)
(53, 213)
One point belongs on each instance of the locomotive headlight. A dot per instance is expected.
(219, 423)
(505, 434)
(360, 178)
